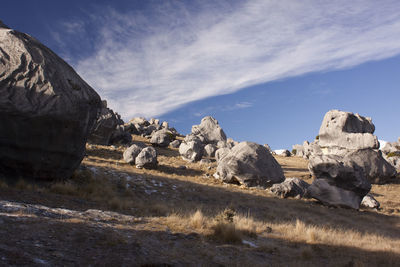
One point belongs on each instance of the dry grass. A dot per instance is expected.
(191, 201)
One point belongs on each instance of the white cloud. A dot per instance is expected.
(148, 64)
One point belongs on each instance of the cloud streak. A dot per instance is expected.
(151, 62)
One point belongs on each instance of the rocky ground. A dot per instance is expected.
(113, 214)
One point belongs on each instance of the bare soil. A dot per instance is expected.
(113, 214)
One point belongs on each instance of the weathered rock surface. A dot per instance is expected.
(376, 169)
(191, 151)
(291, 187)
(121, 136)
(345, 130)
(209, 150)
(147, 158)
(46, 110)
(370, 202)
(161, 138)
(210, 130)
(131, 153)
(175, 143)
(221, 153)
(337, 183)
(249, 164)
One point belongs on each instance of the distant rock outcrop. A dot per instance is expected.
(46, 110)
(249, 164)
(104, 127)
(209, 129)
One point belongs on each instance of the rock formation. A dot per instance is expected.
(211, 131)
(46, 110)
(249, 164)
(291, 187)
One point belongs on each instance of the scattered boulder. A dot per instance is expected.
(394, 161)
(191, 151)
(147, 158)
(164, 125)
(337, 183)
(249, 164)
(283, 152)
(161, 138)
(175, 143)
(47, 111)
(209, 150)
(210, 130)
(291, 187)
(131, 153)
(370, 202)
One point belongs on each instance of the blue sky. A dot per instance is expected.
(267, 70)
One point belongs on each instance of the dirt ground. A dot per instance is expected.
(113, 214)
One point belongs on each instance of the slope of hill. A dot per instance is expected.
(111, 213)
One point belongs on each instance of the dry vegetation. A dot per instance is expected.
(183, 217)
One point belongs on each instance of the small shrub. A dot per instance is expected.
(226, 232)
(198, 220)
(294, 151)
(317, 137)
(393, 154)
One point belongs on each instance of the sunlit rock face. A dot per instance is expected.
(46, 110)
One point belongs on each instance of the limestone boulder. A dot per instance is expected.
(345, 130)
(161, 138)
(337, 183)
(46, 110)
(376, 169)
(370, 202)
(291, 187)
(249, 164)
(132, 152)
(147, 158)
(209, 150)
(191, 151)
(211, 131)
(104, 127)
(220, 153)
(175, 143)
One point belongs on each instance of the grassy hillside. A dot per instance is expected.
(111, 213)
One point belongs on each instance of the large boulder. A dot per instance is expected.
(46, 110)
(376, 169)
(344, 130)
(147, 158)
(249, 164)
(191, 151)
(210, 130)
(291, 187)
(120, 136)
(337, 183)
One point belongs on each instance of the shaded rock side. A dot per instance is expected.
(291, 187)
(249, 164)
(337, 183)
(210, 130)
(104, 127)
(46, 110)
(376, 169)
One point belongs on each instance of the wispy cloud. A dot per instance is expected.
(152, 62)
